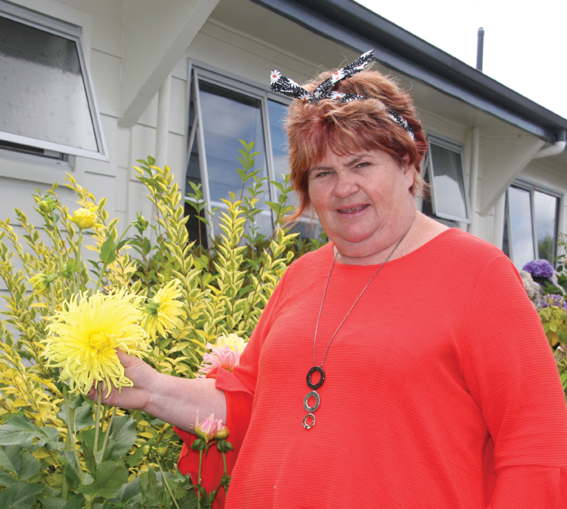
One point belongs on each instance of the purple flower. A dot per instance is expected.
(554, 300)
(539, 268)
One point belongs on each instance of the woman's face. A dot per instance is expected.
(363, 201)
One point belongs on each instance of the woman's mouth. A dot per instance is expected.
(352, 210)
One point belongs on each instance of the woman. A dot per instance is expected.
(402, 364)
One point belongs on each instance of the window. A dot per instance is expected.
(46, 98)
(444, 172)
(531, 226)
(223, 111)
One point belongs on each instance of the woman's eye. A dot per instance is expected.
(322, 174)
(362, 165)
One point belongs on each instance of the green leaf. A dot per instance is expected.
(152, 496)
(54, 503)
(89, 458)
(108, 251)
(23, 466)
(84, 417)
(10, 458)
(7, 479)
(107, 482)
(132, 491)
(71, 469)
(77, 502)
(19, 431)
(29, 466)
(124, 433)
(20, 496)
(52, 434)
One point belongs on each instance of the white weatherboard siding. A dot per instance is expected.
(132, 46)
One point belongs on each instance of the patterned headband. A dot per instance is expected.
(283, 85)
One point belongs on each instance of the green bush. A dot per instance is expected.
(57, 448)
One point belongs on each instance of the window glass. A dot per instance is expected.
(448, 183)
(228, 116)
(222, 111)
(521, 238)
(43, 89)
(277, 113)
(545, 210)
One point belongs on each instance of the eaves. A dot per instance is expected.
(349, 23)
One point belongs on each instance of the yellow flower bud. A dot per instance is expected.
(40, 282)
(44, 206)
(84, 218)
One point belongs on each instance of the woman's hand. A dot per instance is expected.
(132, 398)
(170, 398)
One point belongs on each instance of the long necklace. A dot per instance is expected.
(309, 419)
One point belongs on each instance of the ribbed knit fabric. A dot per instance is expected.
(441, 390)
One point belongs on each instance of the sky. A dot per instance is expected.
(524, 42)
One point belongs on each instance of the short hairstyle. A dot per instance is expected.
(355, 126)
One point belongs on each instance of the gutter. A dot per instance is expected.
(555, 149)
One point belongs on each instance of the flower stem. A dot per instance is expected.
(97, 420)
(107, 434)
(71, 434)
(167, 484)
(224, 461)
(199, 479)
(78, 256)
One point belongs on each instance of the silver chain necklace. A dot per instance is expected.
(309, 419)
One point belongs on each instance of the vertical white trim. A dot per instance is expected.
(162, 131)
(498, 228)
(473, 186)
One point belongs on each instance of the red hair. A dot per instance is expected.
(356, 126)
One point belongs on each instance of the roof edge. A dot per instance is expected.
(350, 23)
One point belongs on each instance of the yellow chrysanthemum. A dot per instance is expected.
(83, 338)
(232, 341)
(163, 310)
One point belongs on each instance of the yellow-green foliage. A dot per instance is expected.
(554, 322)
(224, 290)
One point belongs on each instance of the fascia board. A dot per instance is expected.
(351, 24)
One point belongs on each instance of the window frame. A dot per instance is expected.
(73, 33)
(429, 170)
(198, 71)
(531, 187)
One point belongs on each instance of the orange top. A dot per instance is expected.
(441, 390)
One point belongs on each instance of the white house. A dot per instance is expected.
(89, 87)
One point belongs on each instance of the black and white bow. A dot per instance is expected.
(286, 86)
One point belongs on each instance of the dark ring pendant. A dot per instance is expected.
(310, 384)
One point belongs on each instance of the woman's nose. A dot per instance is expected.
(345, 185)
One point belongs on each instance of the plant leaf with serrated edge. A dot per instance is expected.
(124, 433)
(10, 458)
(19, 431)
(149, 488)
(107, 481)
(20, 496)
(77, 502)
(84, 417)
(129, 493)
(7, 479)
(89, 458)
(29, 466)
